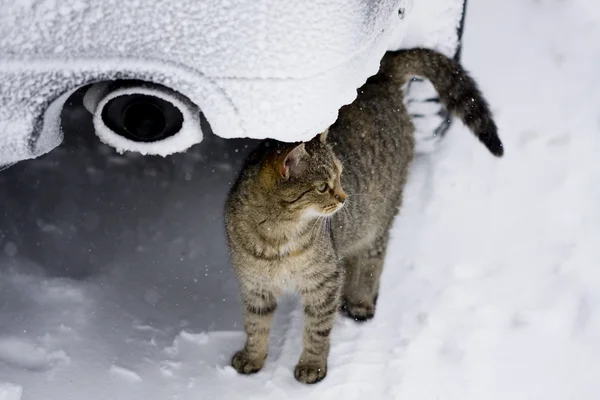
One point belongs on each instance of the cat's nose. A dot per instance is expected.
(341, 196)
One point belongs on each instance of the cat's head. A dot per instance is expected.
(306, 179)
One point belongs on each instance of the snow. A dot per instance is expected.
(256, 69)
(491, 288)
(433, 24)
(10, 392)
(124, 373)
(26, 355)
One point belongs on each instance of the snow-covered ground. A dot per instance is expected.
(492, 281)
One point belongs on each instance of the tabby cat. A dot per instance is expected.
(283, 219)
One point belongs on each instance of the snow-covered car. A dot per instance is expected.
(253, 68)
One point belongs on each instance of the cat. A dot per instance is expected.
(314, 217)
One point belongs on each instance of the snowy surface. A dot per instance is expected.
(491, 288)
(257, 68)
(10, 392)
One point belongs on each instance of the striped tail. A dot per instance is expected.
(457, 90)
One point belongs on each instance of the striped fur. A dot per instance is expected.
(457, 90)
(285, 223)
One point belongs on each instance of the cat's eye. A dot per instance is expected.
(322, 188)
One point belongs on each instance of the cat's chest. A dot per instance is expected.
(289, 265)
(280, 251)
(294, 273)
(293, 263)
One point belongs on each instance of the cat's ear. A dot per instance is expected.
(293, 163)
(323, 136)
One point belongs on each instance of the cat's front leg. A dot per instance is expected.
(259, 309)
(321, 302)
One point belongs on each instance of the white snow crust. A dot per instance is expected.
(491, 288)
(9, 391)
(256, 68)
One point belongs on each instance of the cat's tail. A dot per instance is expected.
(457, 90)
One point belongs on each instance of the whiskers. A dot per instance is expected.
(321, 225)
(366, 195)
(346, 208)
(356, 202)
(318, 226)
(326, 225)
(352, 204)
(360, 199)
(345, 214)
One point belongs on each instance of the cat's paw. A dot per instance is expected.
(310, 372)
(244, 364)
(359, 311)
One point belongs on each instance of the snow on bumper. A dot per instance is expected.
(255, 68)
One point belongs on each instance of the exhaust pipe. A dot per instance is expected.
(143, 117)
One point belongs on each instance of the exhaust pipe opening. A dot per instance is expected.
(143, 117)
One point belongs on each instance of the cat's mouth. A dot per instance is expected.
(326, 211)
(332, 209)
